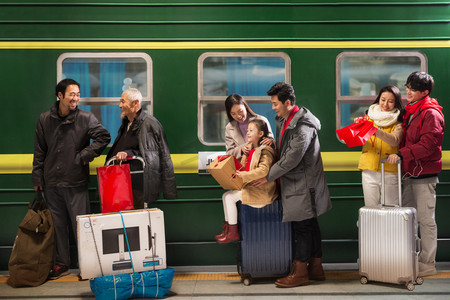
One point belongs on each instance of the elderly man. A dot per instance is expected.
(142, 135)
(62, 152)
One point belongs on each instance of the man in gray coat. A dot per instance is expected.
(304, 191)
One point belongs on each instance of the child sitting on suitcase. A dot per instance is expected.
(257, 164)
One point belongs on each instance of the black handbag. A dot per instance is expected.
(32, 255)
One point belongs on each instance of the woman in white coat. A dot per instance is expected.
(239, 115)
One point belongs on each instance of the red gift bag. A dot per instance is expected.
(357, 134)
(114, 183)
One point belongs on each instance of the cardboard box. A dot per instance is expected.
(102, 245)
(224, 171)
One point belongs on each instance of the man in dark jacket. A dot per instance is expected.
(421, 156)
(142, 135)
(62, 152)
(304, 191)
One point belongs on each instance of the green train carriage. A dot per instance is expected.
(173, 48)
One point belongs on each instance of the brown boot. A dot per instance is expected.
(315, 270)
(231, 235)
(224, 231)
(298, 275)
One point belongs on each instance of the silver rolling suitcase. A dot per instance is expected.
(389, 246)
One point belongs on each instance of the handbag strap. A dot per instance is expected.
(39, 198)
(126, 239)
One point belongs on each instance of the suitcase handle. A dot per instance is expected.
(418, 246)
(383, 192)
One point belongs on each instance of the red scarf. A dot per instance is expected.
(249, 160)
(420, 106)
(286, 122)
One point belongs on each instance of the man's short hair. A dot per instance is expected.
(284, 91)
(63, 84)
(133, 94)
(420, 81)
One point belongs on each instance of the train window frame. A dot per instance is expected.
(368, 99)
(146, 100)
(203, 99)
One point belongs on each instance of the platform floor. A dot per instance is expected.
(223, 282)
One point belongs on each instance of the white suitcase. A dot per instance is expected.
(389, 245)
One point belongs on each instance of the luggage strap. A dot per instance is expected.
(95, 244)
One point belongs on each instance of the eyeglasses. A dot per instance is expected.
(71, 95)
(409, 88)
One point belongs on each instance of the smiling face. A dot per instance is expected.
(238, 112)
(253, 134)
(127, 107)
(387, 101)
(70, 99)
(282, 109)
(413, 95)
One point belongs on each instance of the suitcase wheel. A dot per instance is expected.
(419, 280)
(410, 286)
(364, 280)
(247, 281)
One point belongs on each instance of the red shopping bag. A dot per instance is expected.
(114, 183)
(357, 134)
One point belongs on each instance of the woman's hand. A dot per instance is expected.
(360, 119)
(246, 148)
(267, 141)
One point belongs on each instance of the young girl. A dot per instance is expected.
(257, 164)
(385, 112)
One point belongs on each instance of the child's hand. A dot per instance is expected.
(239, 173)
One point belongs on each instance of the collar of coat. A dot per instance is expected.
(70, 118)
(303, 116)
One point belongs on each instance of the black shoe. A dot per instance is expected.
(58, 271)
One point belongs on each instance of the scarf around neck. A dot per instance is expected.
(382, 118)
(420, 105)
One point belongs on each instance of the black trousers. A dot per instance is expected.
(66, 204)
(307, 239)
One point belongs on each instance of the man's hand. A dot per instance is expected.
(121, 156)
(258, 182)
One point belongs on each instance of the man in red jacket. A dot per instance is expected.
(421, 156)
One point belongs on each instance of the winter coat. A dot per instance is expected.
(262, 159)
(303, 188)
(159, 174)
(62, 147)
(234, 139)
(376, 148)
(422, 151)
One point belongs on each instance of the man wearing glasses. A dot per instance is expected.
(421, 156)
(66, 140)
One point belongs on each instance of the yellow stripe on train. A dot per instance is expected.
(188, 163)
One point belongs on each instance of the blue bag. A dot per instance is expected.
(148, 284)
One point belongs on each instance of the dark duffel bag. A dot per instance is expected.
(32, 255)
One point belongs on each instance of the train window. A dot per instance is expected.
(250, 74)
(360, 75)
(103, 77)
